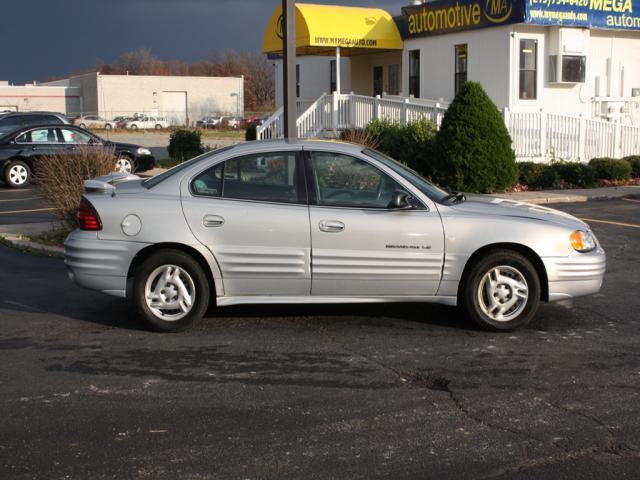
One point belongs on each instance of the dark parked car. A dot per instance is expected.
(15, 120)
(21, 149)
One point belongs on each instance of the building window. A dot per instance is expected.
(460, 67)
(414, 73)
(333, 85)
(528, 69)
(378, 80)
(298, 81)
(394, 79)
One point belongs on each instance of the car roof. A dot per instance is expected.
(14, 114)
(309, 144)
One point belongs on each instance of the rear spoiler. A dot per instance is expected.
(107, 183)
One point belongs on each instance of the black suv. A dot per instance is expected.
(15, 120)
(21, 149)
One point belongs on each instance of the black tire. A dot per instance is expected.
(82, 125)
(17, 174)
(133, 127)
(108, 126)
(158, 127)
(472, 297)
(201, 289)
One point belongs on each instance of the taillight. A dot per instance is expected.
(88, 218)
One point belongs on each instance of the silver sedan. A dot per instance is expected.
(321, 222)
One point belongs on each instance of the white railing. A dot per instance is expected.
(539, 136)
(331, 113)
(544, 136)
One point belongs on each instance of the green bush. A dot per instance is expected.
(610, 168)
(411, 144)
(575, 173)
(473, 145)
(538, 175)
(185, 144)
(251, 133)
(634, 161)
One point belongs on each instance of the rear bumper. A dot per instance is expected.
(576, 275)
(145, 162)
(100, 265)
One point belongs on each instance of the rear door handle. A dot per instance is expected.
(331, 226)
(212, 221)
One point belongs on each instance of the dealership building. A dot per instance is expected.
(181, 99)
(558, 70)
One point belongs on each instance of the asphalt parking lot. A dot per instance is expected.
(396, 391)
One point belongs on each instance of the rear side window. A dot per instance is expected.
(272, 177)
(209, 182)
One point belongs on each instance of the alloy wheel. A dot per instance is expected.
(503, 293)
(170, 293)
(18, 174)
(123, 164)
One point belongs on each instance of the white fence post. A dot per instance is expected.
(617, 140)
(334, 112)
(352, 110)
(376, 108)
(543, 134)
(404, 112)
(506, 117)
(582, 139)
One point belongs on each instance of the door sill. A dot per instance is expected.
(253, 300)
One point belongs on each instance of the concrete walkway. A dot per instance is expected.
(570, 196)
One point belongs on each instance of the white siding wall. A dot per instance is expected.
(314, 76)
(488, 63)
(623, 48)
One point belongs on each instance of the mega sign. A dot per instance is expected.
(445, 16)
(617, 14)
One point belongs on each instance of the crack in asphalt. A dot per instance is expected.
(435, 383)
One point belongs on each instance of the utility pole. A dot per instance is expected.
(289, 64)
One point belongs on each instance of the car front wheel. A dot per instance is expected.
(501, 291)
(170, 291)
(124, 164)
(17, 174)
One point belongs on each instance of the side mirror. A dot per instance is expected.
(402, 200)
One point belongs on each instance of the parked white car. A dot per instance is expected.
(94, 121)
(147, 123)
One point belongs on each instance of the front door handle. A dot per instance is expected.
(212, 221)
(331, 226)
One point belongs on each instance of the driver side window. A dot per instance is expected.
(345, 181)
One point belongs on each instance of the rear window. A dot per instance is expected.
(153, 181)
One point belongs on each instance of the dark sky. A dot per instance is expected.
(43, 38)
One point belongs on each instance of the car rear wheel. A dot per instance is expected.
(17, 174)
(170, 291)
(501, 291)
(124, 164)
(108, 126)
(134, 127)
(82, 125)
(158, 127)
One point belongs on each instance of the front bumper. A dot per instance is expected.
(576, 275)
(100, 265)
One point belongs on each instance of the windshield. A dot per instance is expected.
(153, 181)
(429, 189)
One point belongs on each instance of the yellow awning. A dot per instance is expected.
(322, 28)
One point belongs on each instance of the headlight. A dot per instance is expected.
(143, 151)
(582, 241)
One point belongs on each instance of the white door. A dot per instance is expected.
(362, 246)
(251, 212)
(174, 106)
